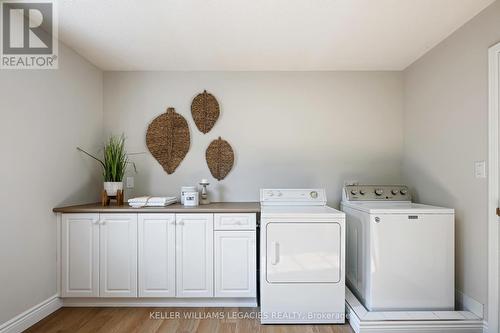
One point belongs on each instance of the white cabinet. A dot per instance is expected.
(235, 264)
(99, 255)
(194, 255)
(156, 255)
(80, 255)
(118, 255)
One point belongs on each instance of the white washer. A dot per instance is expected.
(400, 255)
(302, 256)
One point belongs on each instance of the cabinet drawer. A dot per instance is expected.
(235, 221)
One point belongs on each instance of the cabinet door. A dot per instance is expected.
(80, 255)
(235, 264)
(194, 255)
(118, 255)
(156, 255)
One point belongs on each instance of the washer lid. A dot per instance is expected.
(397, 208)
(300, 212)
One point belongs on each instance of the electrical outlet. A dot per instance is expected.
(480, 169)
(130, 182)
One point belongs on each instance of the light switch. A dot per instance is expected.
(480, 169)
(130, 182)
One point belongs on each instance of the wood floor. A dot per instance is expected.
(178, 320)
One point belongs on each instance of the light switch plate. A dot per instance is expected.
(480, 169)
(130, 182)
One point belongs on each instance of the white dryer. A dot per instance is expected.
(302, 256)
(400, 255)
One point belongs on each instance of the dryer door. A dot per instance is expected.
(308, 252)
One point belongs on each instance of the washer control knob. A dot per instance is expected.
(271, 194)
(394, 192)
(379, 191)
(354, 192)
(403, 191)
(279, 194)
(362, 192)
(313, 194)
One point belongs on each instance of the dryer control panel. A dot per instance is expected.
(293, 197)
(376, 193)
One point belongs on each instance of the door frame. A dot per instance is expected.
(493, 187)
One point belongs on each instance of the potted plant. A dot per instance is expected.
(114, 164)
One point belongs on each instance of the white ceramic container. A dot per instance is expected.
(112, 187)
(186, 189)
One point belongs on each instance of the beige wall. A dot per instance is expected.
(45, 114)
(288, 129)
(445, 124)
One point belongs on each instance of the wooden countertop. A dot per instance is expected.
(216, 207)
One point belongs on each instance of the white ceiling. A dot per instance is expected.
(259, 34)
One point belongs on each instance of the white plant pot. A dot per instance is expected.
(112, 187)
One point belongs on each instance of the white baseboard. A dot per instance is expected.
(31, 316)
(160, 302)
(464, 302)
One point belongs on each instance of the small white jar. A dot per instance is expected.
(191, 198)
(186, 189)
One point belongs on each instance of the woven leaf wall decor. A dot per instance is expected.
(220, 158)
(205, 111)
(168, 139)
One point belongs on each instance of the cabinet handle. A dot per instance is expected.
(180, 222)
(95, 221)
(276, 253)
(102, 222)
